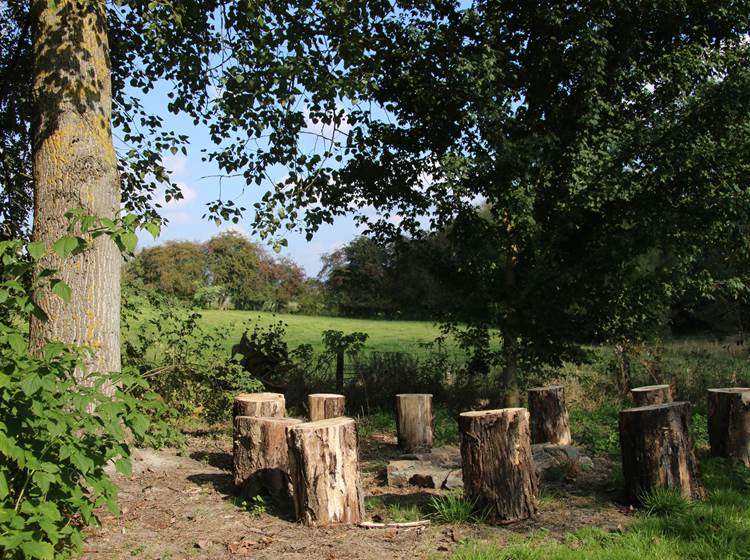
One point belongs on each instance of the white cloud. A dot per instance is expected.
(178, 217)
(176, 164)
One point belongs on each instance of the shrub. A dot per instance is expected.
(188, 365)
(58, 431)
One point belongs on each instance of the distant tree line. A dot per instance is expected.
(227, 271)
(439, 277)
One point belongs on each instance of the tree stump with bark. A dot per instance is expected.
(324, 471)
(549, 415)
(268, 405)
(498, 466)
(414, 422)
(651, 394)
(657, 451)
(325, 405)
(260, 457)
(729, 423)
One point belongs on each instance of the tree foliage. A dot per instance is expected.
(228, 269)
(607, 143)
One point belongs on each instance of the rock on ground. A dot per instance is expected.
(442, 468)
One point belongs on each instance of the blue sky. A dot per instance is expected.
(195, 178)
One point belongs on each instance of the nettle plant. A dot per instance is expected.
(58, 431)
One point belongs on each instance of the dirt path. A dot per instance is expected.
(179, 504)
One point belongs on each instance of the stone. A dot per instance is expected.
(422, 474)
(549, 455)
(442, 467)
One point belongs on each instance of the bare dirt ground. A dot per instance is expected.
(179, 504)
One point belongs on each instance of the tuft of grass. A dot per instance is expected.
(374, 502)
(401, 514)
(455, 508)
(663, 501)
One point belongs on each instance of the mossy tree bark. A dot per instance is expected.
(75, 167)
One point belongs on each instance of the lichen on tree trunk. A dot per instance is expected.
(75, 166)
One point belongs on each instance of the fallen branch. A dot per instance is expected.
(407, 525)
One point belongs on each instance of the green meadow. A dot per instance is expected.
(383, 335)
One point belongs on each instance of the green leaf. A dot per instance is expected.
(129, 241)
(17, 343)
(35, 249)
(66, 245)
(62, 290)
(153, 228)
(3, 486)
(124, 466)
(30, 384)
(37, 549)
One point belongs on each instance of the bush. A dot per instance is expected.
(58, 431)
(188, 365)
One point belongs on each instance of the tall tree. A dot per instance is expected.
(177, 268)
(594, 134)
(75, 166)
(257, 75)
(235, 262)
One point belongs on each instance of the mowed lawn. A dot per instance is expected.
(384, 335)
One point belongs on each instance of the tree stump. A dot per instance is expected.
(414, 422)
(269, 405)
(651, 394)
(729, 423)
(657, 451)
(324, 471)
(260, 456)
(549, 415)
(325, 405)
(498, 467)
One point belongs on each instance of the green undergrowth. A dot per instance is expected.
(666, 528)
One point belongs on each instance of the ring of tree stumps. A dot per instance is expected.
(315, 463)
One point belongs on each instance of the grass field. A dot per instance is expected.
(384, 336)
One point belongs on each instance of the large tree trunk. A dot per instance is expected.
(414, 422)
(75, 167)
(323, 467)
(729, 423)
(657, 451)
(498, 466)
(549, 415)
